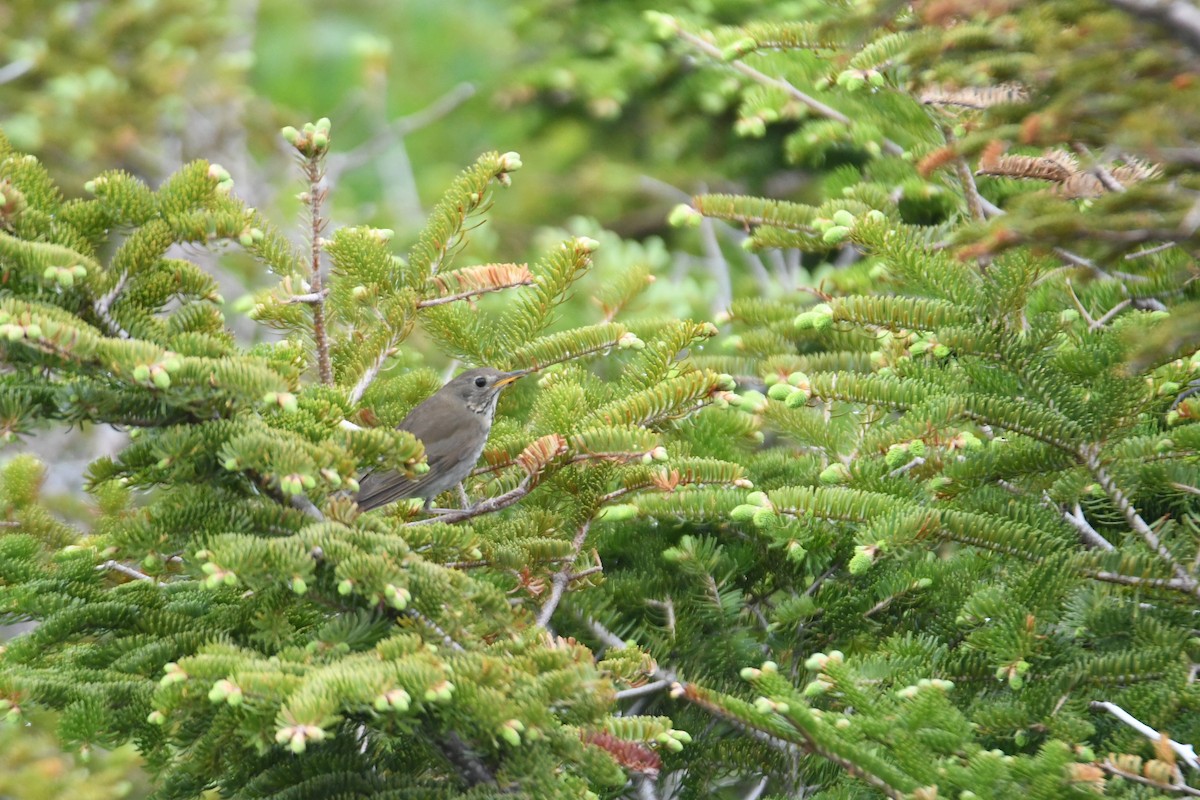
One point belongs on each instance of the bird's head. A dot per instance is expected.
(480, 388)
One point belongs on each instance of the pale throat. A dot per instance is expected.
(485, 406)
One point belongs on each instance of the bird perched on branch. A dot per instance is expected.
(453, 424)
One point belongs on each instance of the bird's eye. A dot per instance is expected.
(481, 381)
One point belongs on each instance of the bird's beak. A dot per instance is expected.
(509, 377)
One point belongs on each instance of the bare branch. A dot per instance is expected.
(15, 69)
(424, 620)
(1186, 752)
(1113, 769)
(563, 577)
(1112, 312)
(1136, 580)
(483, 507)
(1149, 251)
(117, 566)
(1090, 536)
(103, 306)
(641, 691)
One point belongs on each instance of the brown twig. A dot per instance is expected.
(315, 173)
(450, 298)
(1113, 769)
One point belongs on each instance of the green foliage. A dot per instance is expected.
(948, 493)
(976, 518)
(231, 610)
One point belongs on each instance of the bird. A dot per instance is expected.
(453, 424)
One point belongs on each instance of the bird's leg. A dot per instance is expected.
(462, 496)
(430, 508)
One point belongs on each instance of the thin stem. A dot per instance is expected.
(103, 306)
(483, 507)
(558, 587)
(811, 103)
(642, 691)
(1149, 251)
(311, 297)
(1096, 168)
(1090, 535)
(450, 298)
(447, 639)
(1108, 315)
(1136, 580)
(970, 189)
(1113, 769)
(117, 566)
(314, 171)
(370, 373)
(398, 129)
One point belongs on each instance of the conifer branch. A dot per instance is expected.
(813, 104)
(970, 189)
(694, 695)
(1091, 459)
(1173, 584)
(690, 692)
(447, 639)
(1133, 777)
(470, 766)
(1186, 752)
(563, 577)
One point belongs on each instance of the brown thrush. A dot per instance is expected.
(453, 424)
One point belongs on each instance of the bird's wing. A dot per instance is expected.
(380, 488)
(442, 452)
